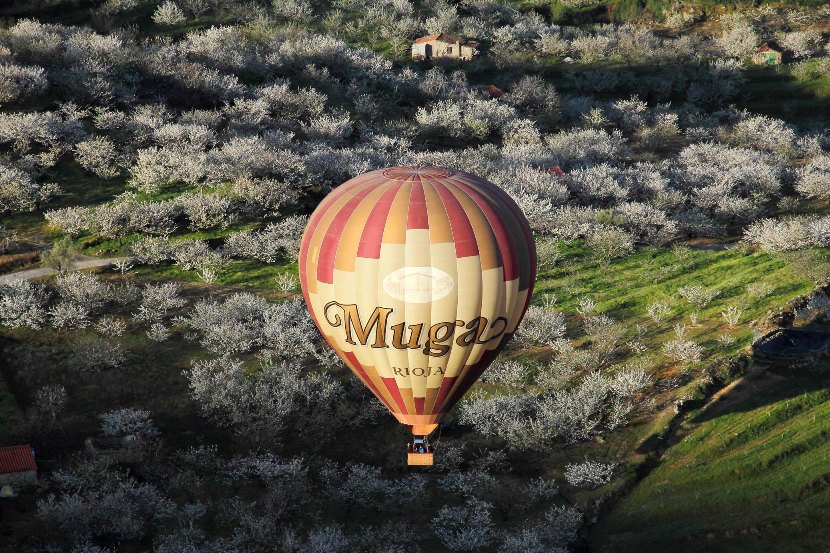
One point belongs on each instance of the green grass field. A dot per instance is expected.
(626, 287)
(750, 474)
(631, 10)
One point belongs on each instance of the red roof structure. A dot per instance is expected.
(555, 170)
(494, 91)
(446, 38)
(18, 458)
(764, 47)
(430, 38)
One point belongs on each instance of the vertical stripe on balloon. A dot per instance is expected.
(325, 266)
(462, 231)
(417, 216)
(373, 230)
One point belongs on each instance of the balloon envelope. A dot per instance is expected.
(417, 277)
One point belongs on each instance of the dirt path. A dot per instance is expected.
(711, 244)
(83, 263)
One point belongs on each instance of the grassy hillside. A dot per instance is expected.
(232, 114)
(626, 288)
(750, 474)
(627, 10)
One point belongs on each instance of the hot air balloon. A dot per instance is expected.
(417, 277)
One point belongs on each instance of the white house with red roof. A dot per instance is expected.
(444, 46)
(17, 464)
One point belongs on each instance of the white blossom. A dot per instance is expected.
(157, 300)
(465, 528)
(168, 13)
(69, 315)
(589, 474)
(22, 304)
(100, 156)
(125, 422)
(110, 326)
(18, 192)
(609, 243)
(541, 326)
(775, 235)
(260, 406)
(814, 178)
(738, 38)
(21, 82)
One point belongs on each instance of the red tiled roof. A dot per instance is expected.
(445, 38)
(764, 47)
(16, 458)
(427, 38)
(555, 170)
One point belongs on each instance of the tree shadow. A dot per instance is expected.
(766, 386)
(773, 92)
(654, 442)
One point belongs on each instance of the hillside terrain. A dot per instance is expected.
(176, 392)
(749, 473)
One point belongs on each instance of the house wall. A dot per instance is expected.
(439, 50)
(17, 477)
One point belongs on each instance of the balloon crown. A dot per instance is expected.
(406, 172)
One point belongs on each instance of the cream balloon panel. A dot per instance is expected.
(475, 293)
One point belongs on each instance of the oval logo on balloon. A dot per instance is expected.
(418, 284)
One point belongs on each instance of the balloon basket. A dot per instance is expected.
(420, 452)
(419, 459)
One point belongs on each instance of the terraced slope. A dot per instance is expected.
(750, 474)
